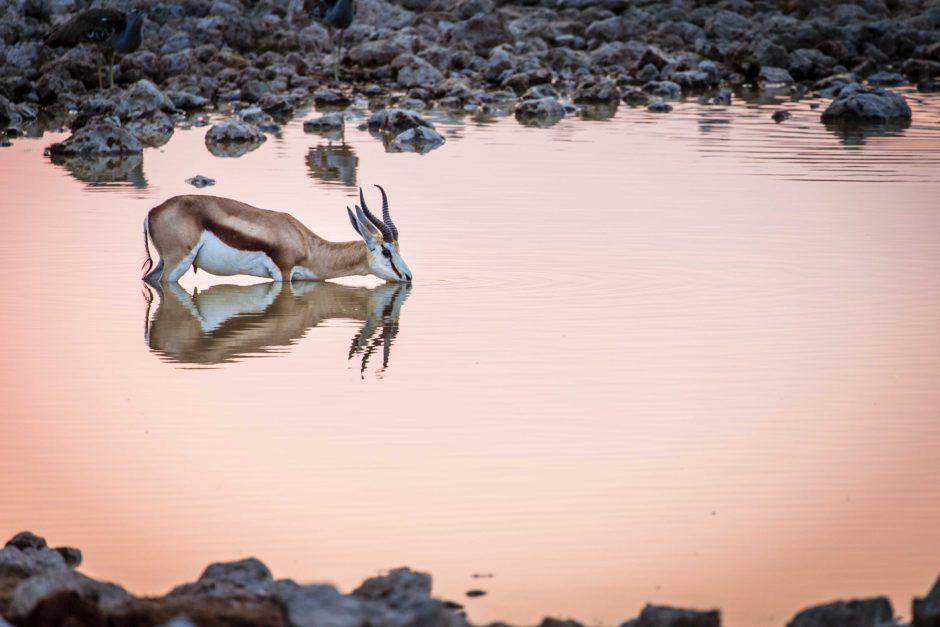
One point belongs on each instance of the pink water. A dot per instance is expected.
(688, 359)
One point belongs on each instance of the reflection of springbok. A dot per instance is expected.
(228, 322)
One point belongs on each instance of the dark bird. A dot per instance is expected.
(115, 30)
(336, 14)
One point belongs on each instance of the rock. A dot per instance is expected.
(540, 112)
(325, 97)
(693, 80)
(659, 106)
(376, 53)
(65, 588)
(872, 612)
(71, 555)
(399, 588)
(780, 116)
(153, 129)
(596, 91)
(414, 71)
(481, 33)
(663, 89)
(259, 119)
(519, 82)
(320, 606)
(476, 593)
(723, 97)
(810, 63)
(770, 75)
(926, 611)
(141, 99)
(636, 97)
(863, 104)
(200, 181)
(647, 73)
(655, 56)
(664, 616)
(187, 100)
(556, 622)
(244, 578)
(233, 138)
(27, 540)
(99, 137)
(727, 25)
(886, 79)
(18, 563)
(330, 123)
(396, 121)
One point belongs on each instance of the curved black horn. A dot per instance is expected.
(387, 233)
(386, 216)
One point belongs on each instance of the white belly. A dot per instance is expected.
(216, 257)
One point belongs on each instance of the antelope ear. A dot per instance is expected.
(363, 228)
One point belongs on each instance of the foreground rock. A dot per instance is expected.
(856, 103)
(102, 137)
(860, 613)
(927, 610)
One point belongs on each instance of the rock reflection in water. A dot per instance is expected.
(226, 323)
(98, 169)
(857, 133)
(333, 163)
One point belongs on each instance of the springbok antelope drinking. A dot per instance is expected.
(226, 237)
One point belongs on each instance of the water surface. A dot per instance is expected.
(687, 359)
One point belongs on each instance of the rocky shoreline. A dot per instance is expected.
(259, 61)
(40, 586)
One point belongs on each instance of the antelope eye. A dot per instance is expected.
(387, 253)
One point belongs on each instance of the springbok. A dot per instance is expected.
(226, 323)
(226, 237)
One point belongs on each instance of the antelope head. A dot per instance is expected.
(381, 238)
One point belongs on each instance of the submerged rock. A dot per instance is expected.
(659, 106)
(872, 612)
(781, 116)
(856, 103)
(200, 181)
(540, 112)
(233, 138)
(421, 140)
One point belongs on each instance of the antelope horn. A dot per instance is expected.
(387, 233)
(386, 216)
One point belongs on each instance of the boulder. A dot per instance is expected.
(27, 540)
(596, 91)
(243, 578)
(770, 75)
(141, 99)
(412, 71)
(540, 112)
(856, 103)
(926, 611)
(665, 616)
(886, 79)
(102, 136)
(328, 123)
(15, 562)
(233, 138)
(659, 106)
(154, 129)
(61, 591)
(401, 587)
(395, 121)
(663, 89)
(872, 612)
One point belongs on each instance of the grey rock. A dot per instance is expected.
(723, 97)
(107, 597)
(770, 75)
(663, 89)
(540, 91)
(636, 97)
(540, 112)
(71, 555)
(655, 56)
(395, 121)
(321, 606)
(481, 33)
(727, 25)
(325, 97)
(99, 137)
(781, 116)
(200, 181)
(521, 81)
(596, 91)
(659, 106)
(421, 140)
(886, 79)
(766, 52)
(557, 622)
(328, 123)
(16, 562)
(233, 138)
(153, 129)
(27, 540)
(187, 100)
(665, 616)
(259, 119)
(858, 613)
(376, 53)
(647, 73)
(863, 104)
(926, 611)
(141, 99)
(243, 578)
(414, 71)
(691, 80)
(810, 63)
(399, 588)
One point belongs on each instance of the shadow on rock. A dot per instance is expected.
(333, 163)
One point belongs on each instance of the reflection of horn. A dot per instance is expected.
(387, 234)
(387, 216)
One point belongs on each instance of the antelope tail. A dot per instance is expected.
(147, 265)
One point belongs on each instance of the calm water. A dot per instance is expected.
(688, 358)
